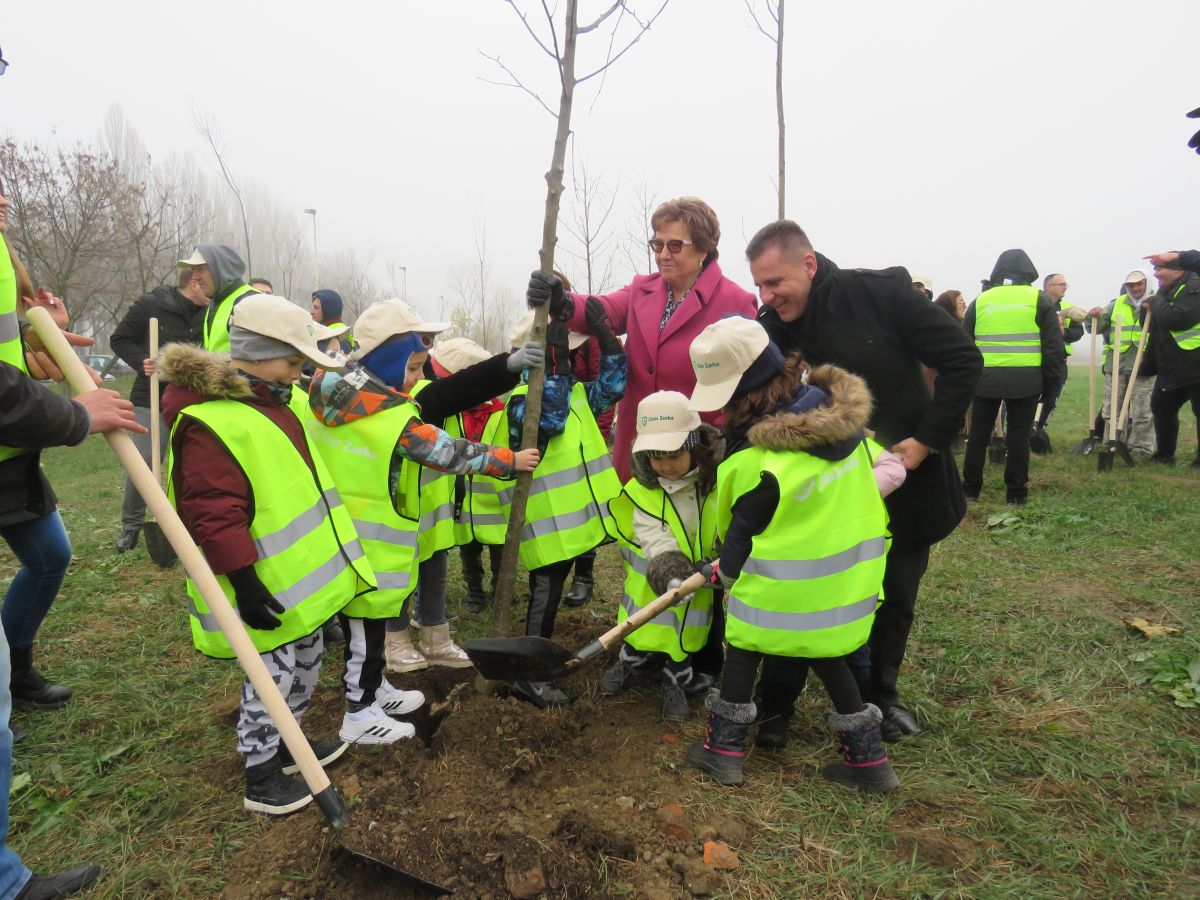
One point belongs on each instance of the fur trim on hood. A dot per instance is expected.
(639, 463)
(211, 375)
(840, 423)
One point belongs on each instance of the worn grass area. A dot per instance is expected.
(1048, 768)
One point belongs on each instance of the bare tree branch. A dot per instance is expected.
(553, 54)
(644, 27)
(584, 29)
(514, 83)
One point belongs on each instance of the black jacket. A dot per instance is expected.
(1174, 309)
(1190, 260)
(875, 325)
(1013, 382)
(179, 322)
(466, 389)
(32, 416)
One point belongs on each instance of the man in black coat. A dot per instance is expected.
(875, 325)
(1173, 349)
(180, 312)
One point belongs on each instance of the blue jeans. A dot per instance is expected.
(44, 551)
(13, 873)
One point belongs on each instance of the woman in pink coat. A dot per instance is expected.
(661, 314)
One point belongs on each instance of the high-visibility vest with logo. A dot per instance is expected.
(683, 629)
(567, 513)
(1187, 338)
(1006, 328)
(1125, 312)
(436, 492)
(484, 516)
(309, 556)
(216, 326)
(12, 351)
(812, 581)
(359, 457)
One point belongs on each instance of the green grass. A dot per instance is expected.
(1050, 767)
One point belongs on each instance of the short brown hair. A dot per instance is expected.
(746, 408)
(948, 300)
(184, 277)
(784, 234)
(697, 216)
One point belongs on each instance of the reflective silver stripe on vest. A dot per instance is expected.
(489, 519)
(801, 621)
(385, 534)
(1007, 349)
(207, 620)
(562, 479)
(693, 618)
(437, 514)
(1035, 336)
(564, 522)
(10, 327)
(320, 577)
(1180, 335)
(801, 569)
(639, 564)
(393, 580)
(299, 528)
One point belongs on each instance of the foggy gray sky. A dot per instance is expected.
(931, 134)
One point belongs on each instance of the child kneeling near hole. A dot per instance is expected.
(803, 534)
(666, 522)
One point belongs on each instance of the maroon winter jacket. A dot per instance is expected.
(212, 494)
(585, 364)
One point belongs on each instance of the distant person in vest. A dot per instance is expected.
(1016, 328)
(1070, 318)
(179, 309)
(218, 270)
(327, 309)
(1128, 309)
(247, 482)
(1174, 353)
(568, 499)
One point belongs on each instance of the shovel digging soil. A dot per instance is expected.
(157, 545)
(324, 794)
(533, 658)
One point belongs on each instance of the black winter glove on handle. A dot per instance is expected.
(558, 349)
(254, 602)
(598, 320)
(711, 570)
(543, 288)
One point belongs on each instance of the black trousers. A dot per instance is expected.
(472, 563)
(741, 670)
(710, 658)
(545, 593)
(1049, 402)
(584, 564)
(1165, 406)
(363, 659)
(1020, 425)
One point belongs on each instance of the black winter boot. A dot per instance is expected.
(675, 704)
(29, 689)
(864, 763)
(721, 753)
(128, 540)
(582, 583)
(271, 792)
(60, 884)
(472, 570)
(327, 753)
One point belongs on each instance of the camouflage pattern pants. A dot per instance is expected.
(1140, 436)
(295, 668)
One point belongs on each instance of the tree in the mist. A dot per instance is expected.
(637, 239)
(588, 223)
(207, 130)
(625, 30)
(774, 15)
(484, 311)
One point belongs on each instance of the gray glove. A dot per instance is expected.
(531, 356)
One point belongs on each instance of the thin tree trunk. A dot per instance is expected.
(779, 106)
(502, 611)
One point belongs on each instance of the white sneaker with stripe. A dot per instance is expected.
(373, 726)
(396, 702)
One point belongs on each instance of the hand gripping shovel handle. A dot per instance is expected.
(641, 617)
(197, 568)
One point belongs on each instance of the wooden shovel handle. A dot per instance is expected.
(155, 412)
(618, 633)
(1116, 377)
(1092, 373)
(196, 565)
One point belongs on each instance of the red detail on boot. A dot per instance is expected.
(712, 749)
(874, 762)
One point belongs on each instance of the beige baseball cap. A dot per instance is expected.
(664, 421)
(1134, 277)
(277, 317)
(458, 353)
(924, 280)
(192, 261)
(386, 319)
(721, 354)
(524, 328)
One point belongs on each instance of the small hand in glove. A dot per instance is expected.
(531, 356)
(558, 349)
(711, 570)
(543, 288)
(254, 602)
(597, 318)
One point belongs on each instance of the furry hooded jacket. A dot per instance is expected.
(830, 432)
(213, 497)
(686, 495)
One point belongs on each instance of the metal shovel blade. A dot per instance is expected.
(529, 658)
(1039, 441)
(1087, 445)
(1104, 459)
(158, 546)
(377, 869)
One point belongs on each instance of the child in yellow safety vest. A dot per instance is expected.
(259, 502)
(666, 523)
(803, 534)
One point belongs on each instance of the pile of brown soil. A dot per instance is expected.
(496, 798)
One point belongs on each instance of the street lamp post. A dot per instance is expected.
(404, 287)
(316, 255)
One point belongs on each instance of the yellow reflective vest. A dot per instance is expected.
(1126, 313)
(1187, 338)
(812, 581)
(1006, 328)
(309, 556)
(683, 629)
(484, 516)
(436, 492)
(216, 322)
(12, 351)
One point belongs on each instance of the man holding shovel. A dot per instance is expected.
(179, 310)
(1174, 352)
(1128, 310)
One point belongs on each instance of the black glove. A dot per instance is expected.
(558, 349)
(711, 570)
(543, 287)
(254, 602)
(597, 318)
